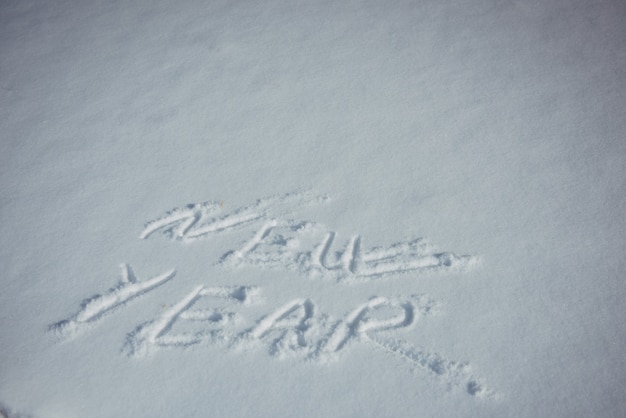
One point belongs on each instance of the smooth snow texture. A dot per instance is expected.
(348, 208)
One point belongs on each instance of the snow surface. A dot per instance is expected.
(320, 208)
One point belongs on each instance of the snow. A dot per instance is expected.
(351, 208)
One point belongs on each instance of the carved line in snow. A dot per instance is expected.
(98, 305)
(306, 247)
(293, 330)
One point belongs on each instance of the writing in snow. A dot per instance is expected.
(224, 320)
(307, 247)
(217, 315)
(222, 315)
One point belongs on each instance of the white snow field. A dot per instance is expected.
(312, 208)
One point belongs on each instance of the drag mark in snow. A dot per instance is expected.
(286, 331)
(198, 220)
(455, 373)
(307, 247)
(297, 330)
(281, 314)
(294, 329)
(158, 332)
(178, 221)
(301, 245)
(96, 306)
(221, 315)
(345, 260)
(357, 323)
(255, 241)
